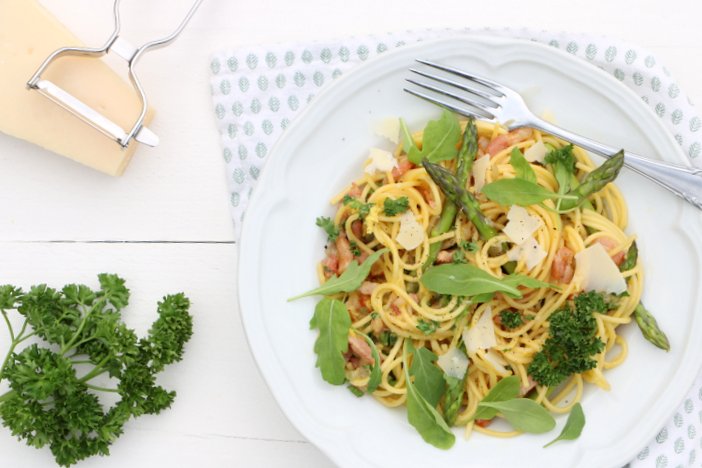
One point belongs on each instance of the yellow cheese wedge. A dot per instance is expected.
(28, 34)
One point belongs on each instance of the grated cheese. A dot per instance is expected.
(380, 161)
(411, 233)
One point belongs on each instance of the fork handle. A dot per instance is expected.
(685, 182)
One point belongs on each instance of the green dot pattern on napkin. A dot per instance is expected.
(257, 91)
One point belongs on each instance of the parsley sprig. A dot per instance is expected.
(53, 399)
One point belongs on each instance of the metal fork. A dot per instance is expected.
(471, 95)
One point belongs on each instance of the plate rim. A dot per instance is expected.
(318, 438)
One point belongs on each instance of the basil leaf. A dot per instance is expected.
(350, 280)
(469, 280)
(632, 256)
(520, 192)
(573, 426)
(524, 414)
(424, 417)
(428, 378)
(333, 321)
(505, 389)
(406, 137)
(439, 140)
(453, 398)
(521, 166)
(375, 375)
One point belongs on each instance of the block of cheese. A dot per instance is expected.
(28, 34)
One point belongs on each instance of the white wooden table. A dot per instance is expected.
(165, 226)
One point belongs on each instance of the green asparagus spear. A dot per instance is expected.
(594, 182)
(464, 200)
(649, 328)
(466, 156)
(453, 398)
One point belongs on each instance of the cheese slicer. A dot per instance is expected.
(131, 54)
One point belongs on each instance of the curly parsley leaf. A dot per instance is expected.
(362, 208)
(394, 207)
(511, 319)
(572, 341)
(48, 404)
(329, 227)
(427, 326)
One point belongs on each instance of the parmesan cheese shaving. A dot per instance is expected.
(521, 224)
(496, 361)
(536, 153)
(454, 363)
(530, 250)
(411, 233)
(380, 161)
(596, 271)
(389, 128)
(480, 167)
(482, 334)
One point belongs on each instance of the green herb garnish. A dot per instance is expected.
(53, 403)
(522, 168)
(511, 319)
(333, 321)
(573, 426)
(572, 342)
(329, 227)
(350, 280)
(362, 208)
(427, 326)
(439, 140)
(394, 207)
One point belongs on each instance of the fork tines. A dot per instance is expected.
(463, 93)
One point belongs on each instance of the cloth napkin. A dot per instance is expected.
(257, 91)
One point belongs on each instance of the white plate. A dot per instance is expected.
(325, 149)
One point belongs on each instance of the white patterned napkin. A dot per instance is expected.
(258, 90)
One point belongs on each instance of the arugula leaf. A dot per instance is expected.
(350, 280)
(469, 280)
(358, 393)
(426, 326)
(562, 162)
(375, 375)
(573, 426)
(394, 207)
(521, 166)
(424, 417)
(453, 398)
(524, 414)
(329, 227)
(520, 192)
(505, 389)
(480, 298)
(439, 142)
(632, 256)
(362, 208)
(406, 137)
(428, 378)
(333, 321)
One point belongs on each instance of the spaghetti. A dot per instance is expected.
(393, 305)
